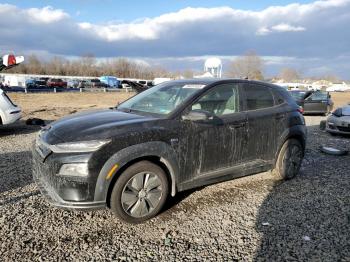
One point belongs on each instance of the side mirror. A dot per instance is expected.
(198, 115)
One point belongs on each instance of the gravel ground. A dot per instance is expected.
(256, 218)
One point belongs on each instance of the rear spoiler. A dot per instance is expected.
(8, 61)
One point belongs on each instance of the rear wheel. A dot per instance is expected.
(289, 159)
(140, 192)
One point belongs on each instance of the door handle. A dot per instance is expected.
(237, 125)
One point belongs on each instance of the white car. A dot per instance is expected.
(339, 121)
(9, 112)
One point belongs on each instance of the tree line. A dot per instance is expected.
(248, 66)
(88, 66)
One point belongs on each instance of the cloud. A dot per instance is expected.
(46, 14)
(303, 31)
(280, 28)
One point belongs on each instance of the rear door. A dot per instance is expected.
(262, 117)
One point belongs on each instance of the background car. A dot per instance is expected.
(72, 83)
(36, 84)
(96, 83)
(313, 102)
(56, 82)
(9, 112)
(339, 121)
(110, 81)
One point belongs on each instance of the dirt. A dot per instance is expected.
(50, 106)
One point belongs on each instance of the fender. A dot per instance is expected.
(123, 157)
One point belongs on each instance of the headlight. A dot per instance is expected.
(77, 169)
(79, 147)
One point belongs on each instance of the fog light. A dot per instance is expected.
(79, 169)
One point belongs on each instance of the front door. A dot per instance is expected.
(219, 142)
(316, 103)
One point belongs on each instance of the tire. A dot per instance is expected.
(289, 159)
(140, 192)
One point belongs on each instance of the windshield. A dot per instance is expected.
(346, 111)
(161, 99)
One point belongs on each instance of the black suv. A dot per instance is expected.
(172, 137)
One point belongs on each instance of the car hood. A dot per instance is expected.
(92, 125)
(344, 119)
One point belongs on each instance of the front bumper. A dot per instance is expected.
(335, 130)
(336, 127)
(63, 192)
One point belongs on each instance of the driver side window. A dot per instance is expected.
(318, 96)
(221, 100)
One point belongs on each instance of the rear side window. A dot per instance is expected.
(258, 97)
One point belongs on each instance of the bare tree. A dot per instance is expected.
(248, 66)
(331, 78)
(289, 74)
(87, 65)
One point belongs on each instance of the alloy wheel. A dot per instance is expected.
(141, 194)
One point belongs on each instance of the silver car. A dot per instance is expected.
(339, 121)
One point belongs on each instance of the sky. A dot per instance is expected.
(312, 37)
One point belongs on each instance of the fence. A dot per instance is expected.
(62, 90)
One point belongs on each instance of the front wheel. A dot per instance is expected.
(140, 192)
(289, 159)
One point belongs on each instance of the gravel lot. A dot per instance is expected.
(257, 218)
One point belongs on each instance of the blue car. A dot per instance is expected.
(111, 81)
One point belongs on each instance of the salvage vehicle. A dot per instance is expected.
(339, 121)
(110, 81)
(96, 83)
(169, 138)
(73, 83)
(9, 112)
(56, 82)
(36, 84)
(313, 102)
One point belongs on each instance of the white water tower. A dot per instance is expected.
(213, 65)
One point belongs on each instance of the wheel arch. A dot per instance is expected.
(293, 133)
(158, 153)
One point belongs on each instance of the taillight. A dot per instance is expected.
(301, 110)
